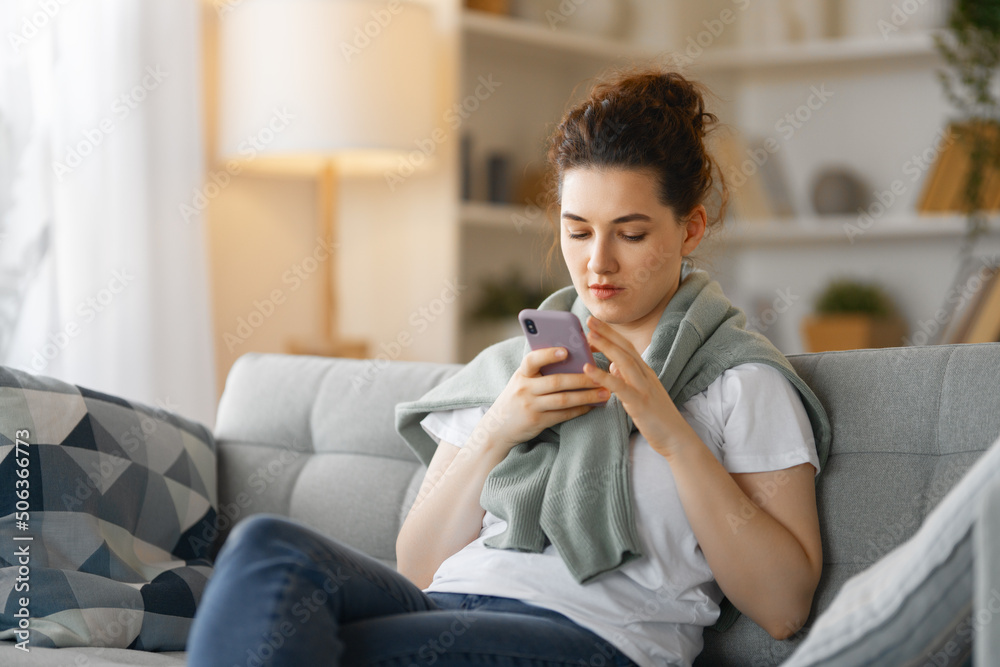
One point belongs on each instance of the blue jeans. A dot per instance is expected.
(283, 594)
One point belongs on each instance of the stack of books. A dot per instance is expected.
(944, 188)
(755, 175)
(971, 312)
(972, 308)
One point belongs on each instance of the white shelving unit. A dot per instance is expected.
(845, 229)
(539, 69)
(518, 219)
(912, 47)
(513, 33)
(886, 107)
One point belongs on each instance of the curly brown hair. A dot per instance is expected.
(642, 118)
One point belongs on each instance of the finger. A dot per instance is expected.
(608, 332)
(548, 384)
(560, 416)
(603, 332)
(612, 383)
(533, 362)
(566, 400)
(624, 357)
(576, 412)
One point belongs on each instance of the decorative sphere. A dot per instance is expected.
(838, 191)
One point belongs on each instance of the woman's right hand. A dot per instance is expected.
(532, 402)
(447, 514)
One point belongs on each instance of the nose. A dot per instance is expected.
(602, 257)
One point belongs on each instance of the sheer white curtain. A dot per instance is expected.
(103, 282)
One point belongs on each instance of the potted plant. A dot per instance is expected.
(852, 315)
(970, 48)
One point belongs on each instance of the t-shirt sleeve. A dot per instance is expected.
(765, 424)
(453, 426)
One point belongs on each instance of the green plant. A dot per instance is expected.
(971, 49)
(506, 297)
(850, 296)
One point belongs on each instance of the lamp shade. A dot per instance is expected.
(351, 80)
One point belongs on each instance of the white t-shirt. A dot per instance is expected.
(653, 608)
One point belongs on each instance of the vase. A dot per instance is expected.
(805, 20)
(763, 25)
(534, 10)
(929, 15)
(860, 18)
(608, 18)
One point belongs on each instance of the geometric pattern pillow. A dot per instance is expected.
(107, 510)
(915, 605)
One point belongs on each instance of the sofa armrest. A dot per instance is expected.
(986, 593)
(314, 439)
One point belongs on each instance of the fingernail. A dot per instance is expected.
(603, 393)
(560, 352)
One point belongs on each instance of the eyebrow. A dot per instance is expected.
(631, 217)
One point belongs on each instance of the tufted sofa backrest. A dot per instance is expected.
(314, 439)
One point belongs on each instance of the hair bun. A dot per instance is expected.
(644, 118)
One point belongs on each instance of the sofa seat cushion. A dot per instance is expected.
(101, 497)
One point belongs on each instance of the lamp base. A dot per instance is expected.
(330, 347)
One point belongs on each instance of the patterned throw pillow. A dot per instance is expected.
(102, 506)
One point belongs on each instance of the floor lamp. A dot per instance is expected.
(352, 84)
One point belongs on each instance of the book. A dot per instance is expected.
(933, 186)
(934, 199)
(985, 324)
(944, 188)
(748, 195)
(990, 196)
(958, 172)
(962, 298)
(775, 182)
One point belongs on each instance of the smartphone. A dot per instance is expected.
(557, 328)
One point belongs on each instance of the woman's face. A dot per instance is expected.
(615, 232)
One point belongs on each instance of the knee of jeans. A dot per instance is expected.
(254, 532)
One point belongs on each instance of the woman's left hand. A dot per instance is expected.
(638, 388)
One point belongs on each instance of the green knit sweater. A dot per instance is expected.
(578, 496)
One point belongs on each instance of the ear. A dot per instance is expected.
(694, 229)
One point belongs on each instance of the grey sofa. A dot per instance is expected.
(314, 439)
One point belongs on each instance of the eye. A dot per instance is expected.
(630, 238)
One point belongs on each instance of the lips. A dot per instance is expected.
(605, 291)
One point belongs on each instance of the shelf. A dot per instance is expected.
(517, 219)
(507, 32)
(915, 47)
(846, 229)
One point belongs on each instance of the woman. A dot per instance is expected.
(548, 530)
